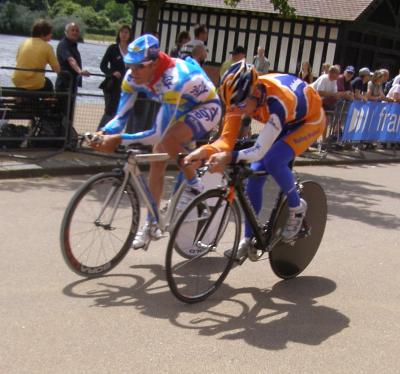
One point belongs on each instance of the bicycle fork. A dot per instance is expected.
(115, 189)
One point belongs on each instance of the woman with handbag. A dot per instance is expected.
(112, 65)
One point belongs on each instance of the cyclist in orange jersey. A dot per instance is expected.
(294, 119)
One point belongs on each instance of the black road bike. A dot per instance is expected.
(211, 224)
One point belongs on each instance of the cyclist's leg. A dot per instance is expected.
(284, 150)
(276, 163)
(192, 126)
(156, 184)
(156, 175)
(254, 191)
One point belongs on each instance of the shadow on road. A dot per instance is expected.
(268, 319)
(357, 200)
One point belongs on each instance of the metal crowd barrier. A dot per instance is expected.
(37, 119)
(33, 119)
(336, 120)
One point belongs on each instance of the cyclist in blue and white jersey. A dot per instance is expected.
(190, 108)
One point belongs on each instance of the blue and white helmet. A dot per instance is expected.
(145, 48)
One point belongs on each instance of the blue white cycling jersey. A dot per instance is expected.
(185, 93)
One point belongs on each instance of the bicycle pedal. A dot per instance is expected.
(146, 246)
(158, 237)
(254, 254)
(241, 260)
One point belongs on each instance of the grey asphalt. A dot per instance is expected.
(340, 316)
(23, 164)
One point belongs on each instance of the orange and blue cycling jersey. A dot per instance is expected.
(290, 104)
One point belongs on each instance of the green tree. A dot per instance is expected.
(33, 4)
(87, 3)
(93, 18)
(116, 11)
(64, 8)
(11, 21)
(282, 6)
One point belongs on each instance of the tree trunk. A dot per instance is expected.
(152, 15)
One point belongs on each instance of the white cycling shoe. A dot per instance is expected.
(294, 222)
(242, 251)
(144, 236)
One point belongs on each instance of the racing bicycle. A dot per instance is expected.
(211, 225)
(102, 218)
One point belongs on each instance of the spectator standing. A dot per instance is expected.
(306, 73)
(396, 79)
(375, 90)
(344, 87)
(360, 84)
(326, 86)
(199, 53)
(325, 68)
(386, 76)
(238, 53)
(260, 62)
(182, 38)
(390, 83)
(113, 66)
(200, 38)
(394, 93)
(69, 58)
(344, 83)
(35, 53)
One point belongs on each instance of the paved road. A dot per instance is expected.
(340, 316)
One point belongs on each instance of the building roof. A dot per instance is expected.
(344, 10)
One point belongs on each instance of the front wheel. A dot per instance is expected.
(99, 224)
(208, 227)
(288, 261)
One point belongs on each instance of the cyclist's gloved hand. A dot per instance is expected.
(218, 161)
(196, 158)
(108, 143)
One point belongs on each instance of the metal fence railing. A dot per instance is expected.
(37, 119)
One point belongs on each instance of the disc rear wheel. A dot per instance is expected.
(288, 261)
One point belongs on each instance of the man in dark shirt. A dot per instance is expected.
(70, 76)
(344, 83)
(69, 58)
(360, 84)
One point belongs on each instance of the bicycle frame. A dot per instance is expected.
(133, 175)
(263, 234)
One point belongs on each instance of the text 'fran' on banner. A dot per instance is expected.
(372, 121)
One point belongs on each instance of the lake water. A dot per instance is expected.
(91, 57)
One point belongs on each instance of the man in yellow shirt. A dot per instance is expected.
(36, 53)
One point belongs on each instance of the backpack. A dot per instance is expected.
(10, 130)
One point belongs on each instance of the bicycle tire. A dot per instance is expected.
(287, 261)
(78, 246)
(194, 279)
